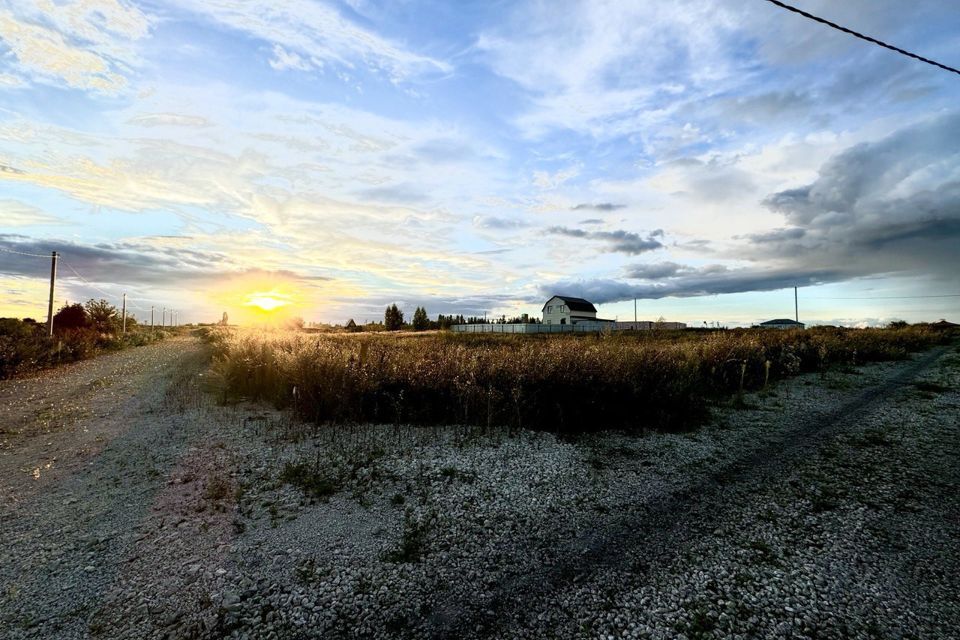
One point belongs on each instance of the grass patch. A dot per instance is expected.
(309, 479)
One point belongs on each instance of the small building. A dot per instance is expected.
(568, 310)
(781, 323)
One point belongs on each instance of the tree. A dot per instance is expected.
(71, 316)
(420, 320)
(393, 318)
(294, 324)
(103, 315)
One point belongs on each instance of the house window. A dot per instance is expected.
(550, 308)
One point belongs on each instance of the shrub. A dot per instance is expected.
(25, 346)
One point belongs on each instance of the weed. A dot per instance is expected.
(309, 479)
(930, 387)
(412, 540)
(217, 488)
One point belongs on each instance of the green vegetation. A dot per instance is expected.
(80, 332)
(572, 383)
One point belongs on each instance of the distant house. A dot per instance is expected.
(781, 323)
(567, 310)
(944, 325)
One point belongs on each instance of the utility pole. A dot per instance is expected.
(796, 307)
(634, 311)
(163, 317)
(123, 313)
(53, 281)
(151, 317)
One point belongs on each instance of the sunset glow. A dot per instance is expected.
(265, 301)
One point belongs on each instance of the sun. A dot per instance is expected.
(266, 301)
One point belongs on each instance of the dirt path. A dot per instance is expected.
(85, 450)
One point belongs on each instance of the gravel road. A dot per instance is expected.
(133, 506)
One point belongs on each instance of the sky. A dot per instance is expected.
(701, 156)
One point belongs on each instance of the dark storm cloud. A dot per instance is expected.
(599, 206)
(618, 241)
(777, 235)
(884, 206)
(694, 283)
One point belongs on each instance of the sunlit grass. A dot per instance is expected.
(563, 383)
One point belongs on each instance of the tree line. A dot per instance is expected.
(393, 320)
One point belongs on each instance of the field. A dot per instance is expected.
(661, 380)
(427, 486)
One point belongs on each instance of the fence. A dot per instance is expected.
(580, 327)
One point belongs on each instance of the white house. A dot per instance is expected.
(781, 323)
(567, 310)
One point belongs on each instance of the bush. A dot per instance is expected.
(25, 346)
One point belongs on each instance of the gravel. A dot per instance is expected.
(824, 507)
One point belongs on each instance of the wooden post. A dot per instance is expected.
(53, 282)
(151, 317)
(796, 307)
(163, 317)
(123, 314)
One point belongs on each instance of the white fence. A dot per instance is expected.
(580, 327)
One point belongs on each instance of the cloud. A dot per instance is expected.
(85, 44)
(591, 221)
(887, 205)
(145, 264)
(494, 222)
(599, 206)
(18, 214)
(618, 241)
(696, 282)
(283, 59)
(777, 235)
(547, 181)
(656, 270)
(309, 35)
(169, 120)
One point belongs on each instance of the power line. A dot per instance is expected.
(946, 295)
(21, 253)
(95, 287)
(862, 36)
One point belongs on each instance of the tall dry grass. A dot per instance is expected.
(558, 382)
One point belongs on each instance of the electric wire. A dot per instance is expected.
(22, 253)
(857, 34)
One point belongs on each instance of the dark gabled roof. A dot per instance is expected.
(575, 304)
(780, 321)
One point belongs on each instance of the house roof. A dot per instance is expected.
(780, 321)
(944, 324)
(575, 304)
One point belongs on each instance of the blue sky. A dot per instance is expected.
(702, 156)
